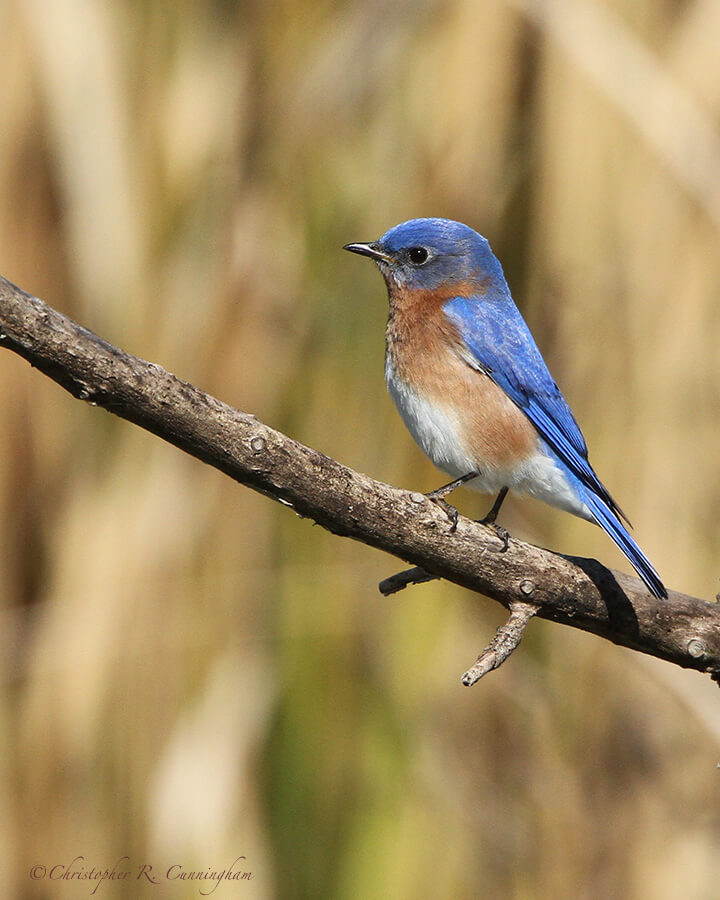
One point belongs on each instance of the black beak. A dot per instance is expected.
(371, 250)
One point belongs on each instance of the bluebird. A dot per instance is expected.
(471, 385)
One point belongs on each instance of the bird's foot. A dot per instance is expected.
(449, 510)
(490, 519)
(501, 532)
(437, 497)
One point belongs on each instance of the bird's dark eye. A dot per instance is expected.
(418, 255)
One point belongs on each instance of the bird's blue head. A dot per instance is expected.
(429, 254)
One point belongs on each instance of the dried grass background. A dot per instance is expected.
(191, 673)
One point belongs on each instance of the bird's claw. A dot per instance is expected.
(501, 532)
(450, 511)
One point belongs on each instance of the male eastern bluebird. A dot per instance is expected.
(471, 385)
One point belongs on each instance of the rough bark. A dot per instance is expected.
(569, 590)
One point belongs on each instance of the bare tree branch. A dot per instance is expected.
(400, 580)
(524, 579)
(506, 639)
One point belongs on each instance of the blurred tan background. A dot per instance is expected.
(190, 673)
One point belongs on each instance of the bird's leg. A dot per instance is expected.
(490, 518)
(439, 493)
(495, 509)
(446, 489)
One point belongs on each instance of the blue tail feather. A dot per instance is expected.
(612, 526)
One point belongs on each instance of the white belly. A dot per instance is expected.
(434, 428)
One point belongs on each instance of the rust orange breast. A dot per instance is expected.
(425, 349)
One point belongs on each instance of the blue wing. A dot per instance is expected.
(504, 348)
(501, 345)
